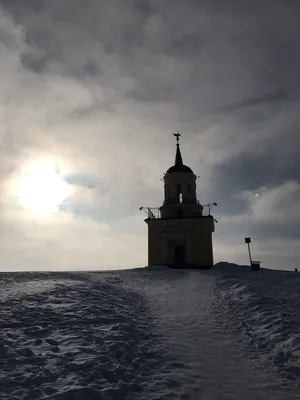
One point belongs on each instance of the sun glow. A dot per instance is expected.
(41, 189)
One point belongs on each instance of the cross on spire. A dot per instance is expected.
(177, 135)
(178, 158)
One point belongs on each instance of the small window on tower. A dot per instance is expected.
(178, 193)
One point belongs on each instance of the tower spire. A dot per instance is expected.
(178, 158)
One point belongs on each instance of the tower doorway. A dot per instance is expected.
(179, 254)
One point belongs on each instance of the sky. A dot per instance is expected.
(91, 92)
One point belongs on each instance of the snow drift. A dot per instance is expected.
(64, 337)
(159, 333)
(264, 309)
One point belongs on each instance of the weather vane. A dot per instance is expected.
(177, 135)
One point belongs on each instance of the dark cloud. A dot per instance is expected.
(107, 81)
(34, 63)
(273, 230)
(256, 101)
(253, 171)
(81, 180)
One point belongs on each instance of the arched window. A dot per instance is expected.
(179, 192)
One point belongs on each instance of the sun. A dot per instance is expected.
(41, 189)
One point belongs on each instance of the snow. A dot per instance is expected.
(150, 333)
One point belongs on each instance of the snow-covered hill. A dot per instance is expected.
(227, 333)
(263, 309)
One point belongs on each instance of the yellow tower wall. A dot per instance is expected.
(194, 233)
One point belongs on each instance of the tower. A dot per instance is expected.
(180, 231)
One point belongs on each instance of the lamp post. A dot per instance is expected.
(248, 241)
(255, 265)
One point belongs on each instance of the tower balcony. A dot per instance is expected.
(155, 213)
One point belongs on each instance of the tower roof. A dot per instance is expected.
(178, 166)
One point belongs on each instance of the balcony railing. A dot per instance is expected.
(155, 213)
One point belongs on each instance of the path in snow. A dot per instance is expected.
(215, 364)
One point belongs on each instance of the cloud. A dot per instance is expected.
(272, 220)
(280, 203)
(65, 242)
(101, 92)
(267, 98)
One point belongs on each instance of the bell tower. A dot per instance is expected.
(180, 231)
